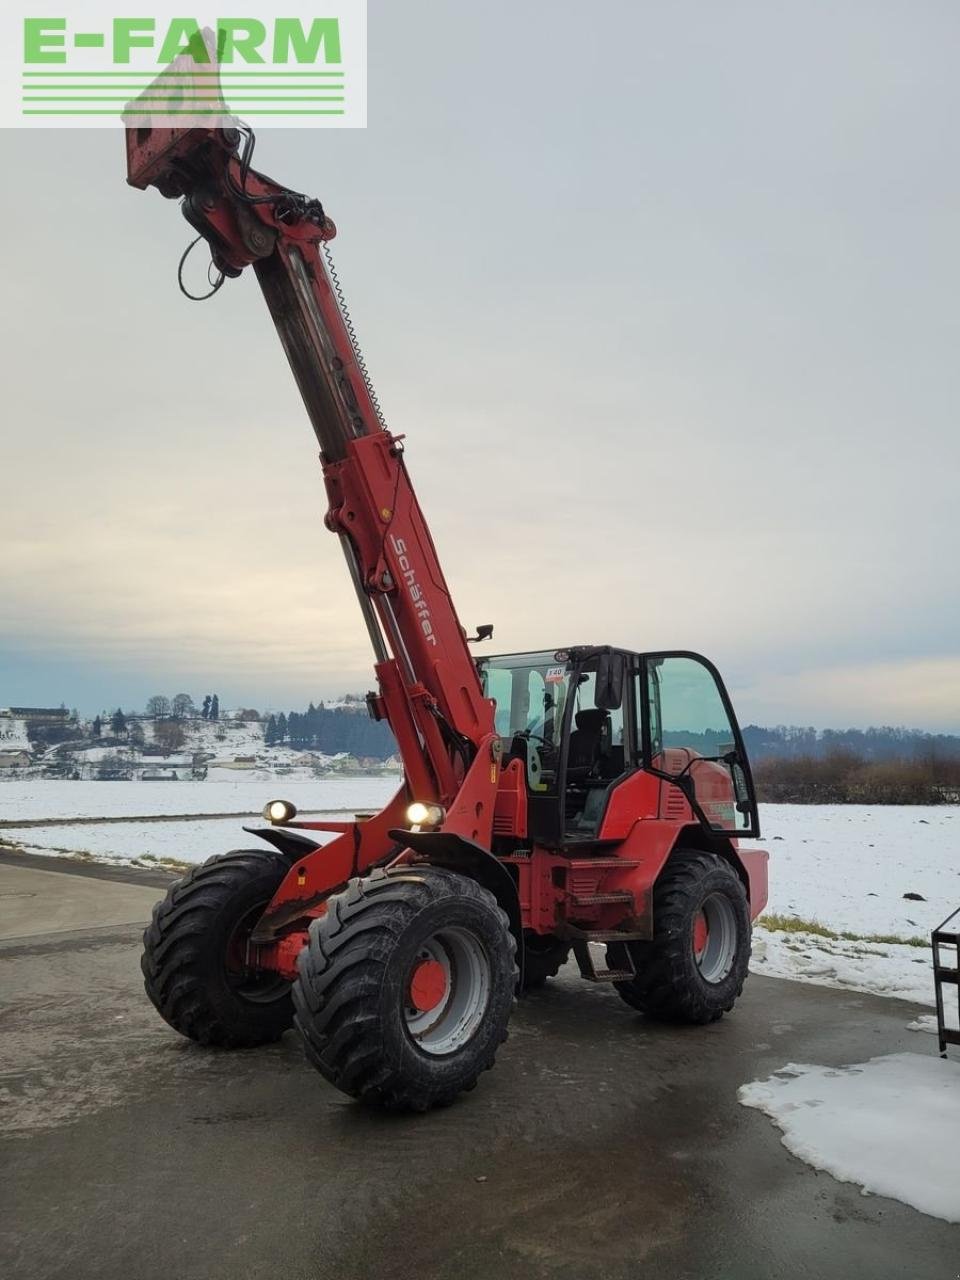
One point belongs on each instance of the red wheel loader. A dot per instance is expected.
(581, 798)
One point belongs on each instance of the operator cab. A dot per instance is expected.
(583, 721)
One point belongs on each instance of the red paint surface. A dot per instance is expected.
(428, 985)
(701, 932)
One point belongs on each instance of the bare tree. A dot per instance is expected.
(169, 736)
(158, 706)
(183, 706)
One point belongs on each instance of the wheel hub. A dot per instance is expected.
(258, 986)
(701, 933)
(447, 991)
(715, 938)
(428, 985)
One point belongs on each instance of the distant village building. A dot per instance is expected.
(15, 759)
(238, 762)
(173, 769)
(36, 715)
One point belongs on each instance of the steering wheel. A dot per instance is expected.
(529, 733)
(546, 747)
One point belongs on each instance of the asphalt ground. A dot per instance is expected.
(600, 1145)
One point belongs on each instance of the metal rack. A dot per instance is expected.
(946, 971)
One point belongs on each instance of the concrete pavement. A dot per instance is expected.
(599, 1147)
(32, 902)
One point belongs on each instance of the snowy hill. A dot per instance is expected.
(13, 735)
(180, 750)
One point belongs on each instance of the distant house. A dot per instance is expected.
(173, 769)
(342, 762)
(15, 759)
(238, 762)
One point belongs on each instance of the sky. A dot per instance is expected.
(665, 297)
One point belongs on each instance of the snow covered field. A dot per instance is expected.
(37, 799)
(845, 867)
(172, 836)
(175, 841)
(848, 867)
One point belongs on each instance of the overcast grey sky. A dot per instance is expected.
(665, 296)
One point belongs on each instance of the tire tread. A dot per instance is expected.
(663, 987)
(175, 968)
(341, 972)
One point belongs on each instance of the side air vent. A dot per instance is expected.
(674, 803)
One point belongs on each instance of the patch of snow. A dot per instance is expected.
(926, 1022)
(884, 969)
(882, 1124)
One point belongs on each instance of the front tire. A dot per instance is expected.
(695, 967)
(194, 951)
(406, 986)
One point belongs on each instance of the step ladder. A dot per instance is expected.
(946, 971)
(621, 967)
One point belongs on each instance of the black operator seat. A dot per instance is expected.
(521, 748)
(589, 743)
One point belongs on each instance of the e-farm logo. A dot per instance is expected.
(91, 66)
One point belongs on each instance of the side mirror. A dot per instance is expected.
(609, 690)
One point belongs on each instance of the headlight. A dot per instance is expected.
(425, 815)
(279, 811)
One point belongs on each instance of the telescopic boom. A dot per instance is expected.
(429, 690)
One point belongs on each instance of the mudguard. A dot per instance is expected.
(457, 853)
(291, 843)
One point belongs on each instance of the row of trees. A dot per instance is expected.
(183, 707)
(884, 742)
(844, 777)
(330, 730)
(118, 725)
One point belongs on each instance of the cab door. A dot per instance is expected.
(692, 739)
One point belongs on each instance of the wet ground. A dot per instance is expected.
(599, 1146)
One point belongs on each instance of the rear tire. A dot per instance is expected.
(193, 953)
(544, 955)
(364, 1025)
(695, 967)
